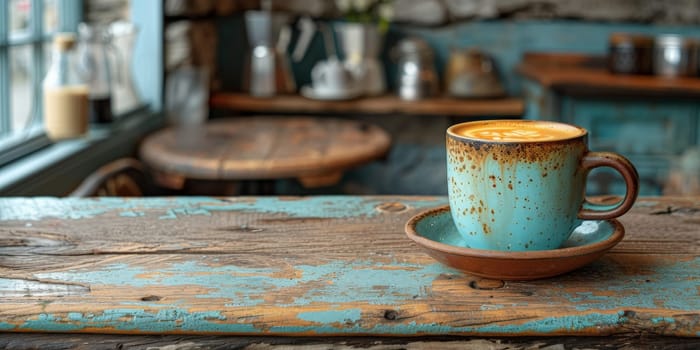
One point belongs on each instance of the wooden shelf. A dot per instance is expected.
(590, 74)
(387, 104)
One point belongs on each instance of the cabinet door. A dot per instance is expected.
(634, 127)
(650, 133)
(540, 103)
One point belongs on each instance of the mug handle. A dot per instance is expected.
(591, 160)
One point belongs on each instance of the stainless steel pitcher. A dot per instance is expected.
(268, 71)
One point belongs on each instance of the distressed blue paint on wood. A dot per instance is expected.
(674, 286)
(340, 281)
(540, 326)
(658, 320)
(131, 214)
(154, 322)
(331, 296)
(671, 287)
(212, 322)
(331, 316)
(51, 323)
(172, 208)
(318, 206)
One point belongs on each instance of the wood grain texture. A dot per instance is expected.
(265, 148)
(387, 104)
(589, 74)
(319, 266)
(23, 341)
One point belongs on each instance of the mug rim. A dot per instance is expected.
(451, 133)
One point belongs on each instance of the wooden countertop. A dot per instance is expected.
(387, 104)
(589, 74)
(318, 267)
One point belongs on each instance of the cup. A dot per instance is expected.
(330, 77)
(187, 96)
(518, 185)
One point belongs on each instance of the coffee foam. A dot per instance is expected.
(516, 131)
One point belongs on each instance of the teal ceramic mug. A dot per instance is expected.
(519, 184)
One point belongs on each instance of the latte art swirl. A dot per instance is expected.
(513, 135)
(518, 131)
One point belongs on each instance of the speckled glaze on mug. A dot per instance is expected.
(519, 195)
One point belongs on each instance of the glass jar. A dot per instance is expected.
(630, 53)
(94, 44)
(125, 97)
(65, 93)
(675, 56)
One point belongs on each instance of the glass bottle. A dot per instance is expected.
(125, 98)
(65, 93)
(94, 43)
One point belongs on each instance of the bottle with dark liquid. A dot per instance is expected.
(100, 109)
(95, 42)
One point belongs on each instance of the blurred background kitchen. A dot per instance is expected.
(336, 97)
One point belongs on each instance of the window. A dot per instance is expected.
(26, 29)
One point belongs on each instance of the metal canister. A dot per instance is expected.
(630, 53)
(675, 56)
(416, 76)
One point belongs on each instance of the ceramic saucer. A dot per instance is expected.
(315, 94)
(435, 232)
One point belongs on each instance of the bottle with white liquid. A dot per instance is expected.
(65, 93)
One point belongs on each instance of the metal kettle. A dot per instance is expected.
(472, 73)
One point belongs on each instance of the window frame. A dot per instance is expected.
(55, 169)
(14, 145)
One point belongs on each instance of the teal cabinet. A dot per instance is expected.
(634, 128)
(651, 131)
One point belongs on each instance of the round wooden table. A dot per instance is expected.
(314, 150)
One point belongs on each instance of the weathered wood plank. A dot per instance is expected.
(207, 225)
(19, 341)
(319, 266)
(387, 104)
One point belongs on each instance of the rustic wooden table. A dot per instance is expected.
(315, 151)
(234, 271)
